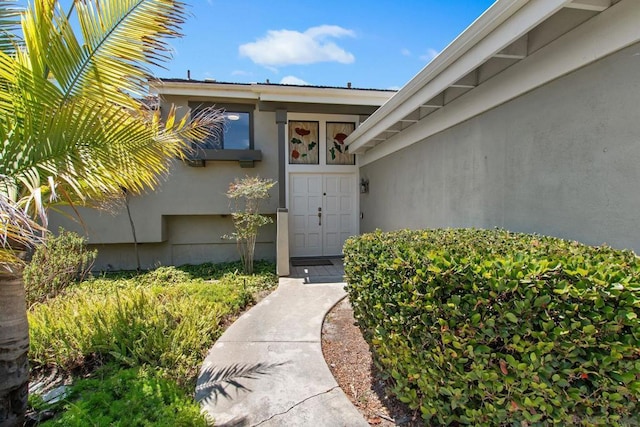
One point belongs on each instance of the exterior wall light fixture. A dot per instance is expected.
(364, 185)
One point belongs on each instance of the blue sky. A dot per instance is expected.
(373, 44)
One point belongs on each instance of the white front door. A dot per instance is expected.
(321, 213)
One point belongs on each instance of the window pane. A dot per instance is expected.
(337, 151)
(213, 141)
(303, 142)
(234, 134)
(236, 131)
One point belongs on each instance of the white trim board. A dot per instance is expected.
(610, 31)
(500, 25)
(274, 93)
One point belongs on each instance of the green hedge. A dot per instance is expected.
(488, 327)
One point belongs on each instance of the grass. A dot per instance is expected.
(138, 335)
(128, 397)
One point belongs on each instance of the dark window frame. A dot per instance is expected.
(229, 108)
(246, 157)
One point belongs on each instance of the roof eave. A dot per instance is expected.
(267, 92)
(487, 23)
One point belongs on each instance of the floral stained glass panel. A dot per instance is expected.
(337, 150)
(303, 143)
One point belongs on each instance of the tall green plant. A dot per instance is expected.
(246, 196)
(73, 129)
(57, 264)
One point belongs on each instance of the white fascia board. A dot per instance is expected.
(274, 93)
(208, 90)
(592, 5)
(350, 99)
(502, 24)
(312, 90)
(317, 95)
(610, 31)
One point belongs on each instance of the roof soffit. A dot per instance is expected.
(494, 42)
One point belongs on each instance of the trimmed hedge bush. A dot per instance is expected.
(488, 327)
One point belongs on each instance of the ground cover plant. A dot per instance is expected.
(488, 327)
(137, 340)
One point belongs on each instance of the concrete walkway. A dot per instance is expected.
(267, 369)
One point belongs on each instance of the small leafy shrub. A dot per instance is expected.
(246, 196)
(496, 328)
(209, 271)
(164, 276)
(57, 264)
(132, 397)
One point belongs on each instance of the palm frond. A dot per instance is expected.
(9, 25)
(118, 40)
(70, 129)
(17, 231)
(190, 128)
(37, 32)
(92, 148)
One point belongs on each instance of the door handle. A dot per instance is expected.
(319, 216)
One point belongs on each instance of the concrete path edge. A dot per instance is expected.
(268, 369)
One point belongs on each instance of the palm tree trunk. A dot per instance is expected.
(14, 344)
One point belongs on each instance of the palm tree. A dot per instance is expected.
(73, 130)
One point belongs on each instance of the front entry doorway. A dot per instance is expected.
(321, 213)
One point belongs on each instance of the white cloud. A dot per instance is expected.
(431, 53)
(293, 80)
(323, 31)
(288, 47)
(405, 52)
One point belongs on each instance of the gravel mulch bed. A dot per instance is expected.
(349, 359)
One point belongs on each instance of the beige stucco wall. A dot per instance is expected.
(182, 220)
(561, 160)
(192, 240)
